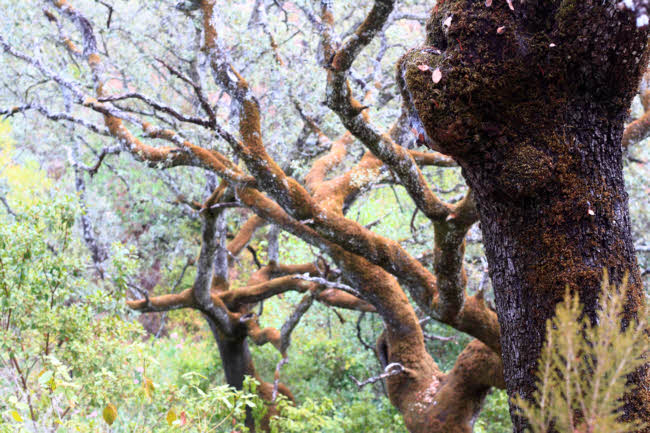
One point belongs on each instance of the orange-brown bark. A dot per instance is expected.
(244, 235)
(639, 129)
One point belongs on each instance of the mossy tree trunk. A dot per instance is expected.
(531, 98)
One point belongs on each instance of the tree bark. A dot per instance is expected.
(531, 101)
(238, 363)
(235, 357)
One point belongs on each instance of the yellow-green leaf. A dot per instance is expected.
(148, 387)
(110, 413)
(171, 416)
(16, 416)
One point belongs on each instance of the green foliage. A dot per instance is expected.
(70, 357)
(495, 416)
(74, 360)
(323, 355)
(583, 367)
(324, 416)
(311, 416)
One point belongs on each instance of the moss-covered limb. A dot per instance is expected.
(215, 197)
(449, 254)
(458, 398)
(447, 301)
(363, 35)
(276, 278)
(354, 118)
(448, 261)
(157, 304)
(341, 299)
(327, 162)
(637, 131)
(261, 336)
(338, 192)
(275, 270)
(476, 319)
(183, 154)
(244, 235)
(432, 159)
(397, 158)
(236, 298)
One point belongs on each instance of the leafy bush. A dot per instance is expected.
(70, 357)
(495, 416)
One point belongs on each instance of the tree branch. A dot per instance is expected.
(391, 369)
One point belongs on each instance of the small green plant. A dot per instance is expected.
(583, 367)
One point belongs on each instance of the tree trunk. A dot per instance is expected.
(532, 102)
(236, 360)
(237, 363)
(563, 235)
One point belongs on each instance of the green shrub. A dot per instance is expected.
(72, 359)
(583, 368)
(495, 415)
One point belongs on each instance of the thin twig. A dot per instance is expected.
(330, 284)
(392, 369)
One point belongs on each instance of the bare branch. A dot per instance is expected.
(330, 284)
(97, 129)
(158, 106)
(4, 202)
(391, 369)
